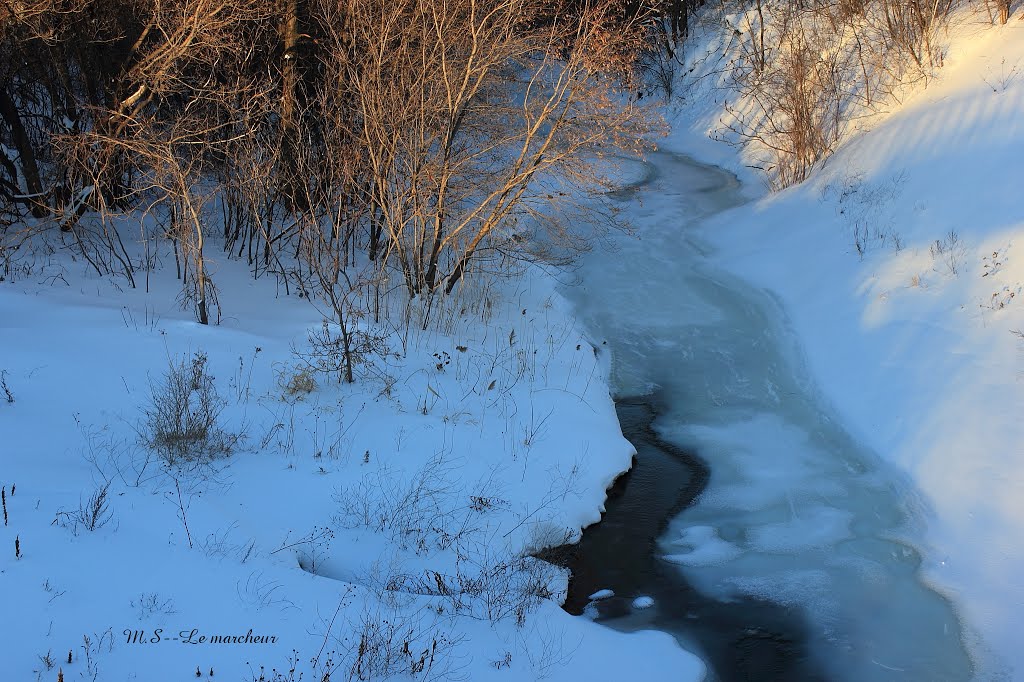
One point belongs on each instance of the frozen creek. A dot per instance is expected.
(771, 542)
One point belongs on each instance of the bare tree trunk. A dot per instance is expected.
(293, 185)
(760, 47)
(1004, 10)
(198, 259)
(26, 153)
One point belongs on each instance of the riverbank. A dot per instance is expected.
(911, 333)
(340, 509)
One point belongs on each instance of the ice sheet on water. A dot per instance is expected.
(817, 526)
(745, 497)
(795, 511)
(810, 589)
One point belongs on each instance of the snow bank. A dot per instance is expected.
(344, 523)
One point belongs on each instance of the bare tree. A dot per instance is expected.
(181, 115)
(421, 136)
(464, 106)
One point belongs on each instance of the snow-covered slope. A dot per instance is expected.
(377, 529)
(900, 264)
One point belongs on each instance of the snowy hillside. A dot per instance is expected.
(899, 265)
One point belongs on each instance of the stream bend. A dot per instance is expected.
(773, 543)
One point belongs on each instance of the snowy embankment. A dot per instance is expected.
(378, 529)
(900, 266)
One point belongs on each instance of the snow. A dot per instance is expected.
(601, 594)
(337, 514)
(704, 547)
(898, 459)
(911, 346)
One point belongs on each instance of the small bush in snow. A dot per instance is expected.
(311, 547)
(1001, 82)
(1001, 298)
(385, 645)
(182, 421)
(92, 514)
(92, 648)
(296, 382)
(379, 644)
(419, 512)
(866, 210)
(491, 588)
(47, 660)
(150, 604)
(341, 352)
(991, 265)
(948, 253)
(289, 674)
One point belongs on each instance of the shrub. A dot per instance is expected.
(182, 421)
(948, 253)
(335, 350)
(92, 514)
(296, 381)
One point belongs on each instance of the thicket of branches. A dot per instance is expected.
(339, 144)
(804, 70)
(354, 146)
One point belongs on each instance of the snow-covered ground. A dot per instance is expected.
(382, 525)
(377, 528)
(915, 340)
